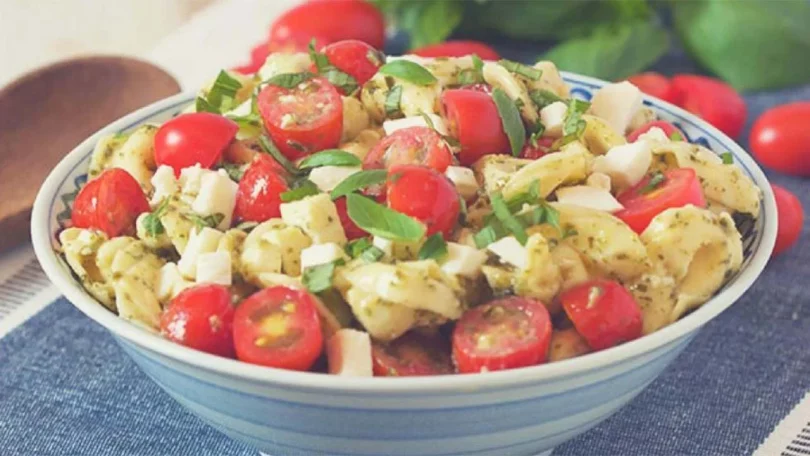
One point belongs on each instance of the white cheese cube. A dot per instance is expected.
(217, 195)
(510, 251)
(599, 180)
(589, 197)
(386, 245)
(214, 267)
(328, 177)
(463, 260)
(170, 283)
(553, 117)
(653, 134)
(191, 178)
(322, 254)
(616, 104)
(164, 183)
(317, 216)
(464, 180)
(391, 126)
(348, 352)
(626, 164)
(203, 241)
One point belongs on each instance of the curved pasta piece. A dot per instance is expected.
(272, 247)
(134, 153)
(355, 118)
(599, 137)
(541, 279)
(572, 268)
(499, 77)
(281, 62)
(137, 302)
(656, 295)
(382, 319)
(80, 247)
(494, 171)
(569, 165)
(362, 144)
(550, 80)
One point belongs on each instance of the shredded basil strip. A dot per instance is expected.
(474, 75)
(656, 180)
(336, 77)
(379, 220)
(235, 172)
(223, 91)
(514, 225)
(434, 248)
(202, 105)
(152, 223)
(372, 254)
(289, 80)
(392, 101)
(676, 136)
(356, 247)
(551, 216)
(510, 118)
(267, 145)
(211, 221)
(728, 158)
(526, 71)
(486, 236)
(301, 189)
(409, 71)
(543, 97)
(574, 125)
(319, 278)
(358, 181)
(330, 157)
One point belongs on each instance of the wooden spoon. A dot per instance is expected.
(46, 113)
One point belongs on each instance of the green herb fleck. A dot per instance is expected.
(409, 71)
(655, 181)
(289, 80)
(434, 248)
(518, 68)
(379, 220)
(728, 158)
(512, 223)
(319, 278)
(358, 181)
(330, 157)
(392, 101)
(676, 136)
(301, 189)
(543, 97)
(152, 222)
(510, 118)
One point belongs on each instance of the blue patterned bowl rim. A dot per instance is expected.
(44, 227)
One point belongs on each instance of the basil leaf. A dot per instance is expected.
(518, 68)
(379, 220)
(474, 75)
(728, 159)
(535, 216)
(235, 172)
(301, 190)
(330, 157)
(358, 181)
(486, 236)
(223, 91)
(372, 254)
(511, 121)
(434, 248)
(425, 22)
(502, 213)
(289, 80)
(551, 216)
(676, 136)
(202, 105)
(656, 180)
(210, 221)
(152, 223)
(358, 246)
(269, 147)
(543, 98)
(392, 101)
(574, 126)
(409, 71)
(319, 278)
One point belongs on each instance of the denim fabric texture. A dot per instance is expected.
(67, 389)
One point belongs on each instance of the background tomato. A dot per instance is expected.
(656, 85)
(332, 20)
(457, 48)
(258, 197)
(425, 195)
(790, 219)
(188, 139)
(111, 203)
(713, 100)
(780, 138)
(201, 317)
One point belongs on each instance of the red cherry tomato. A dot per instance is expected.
(334, 20)
(258, 55)
(713, 100)
(504, 334)
(790, 219)
(603, 312)
(457, 48)
(780, 138)
(413, 145)
(425, 195)
(201, 317)
(533, 153)
(355, 58)
(188, 139)
(304, 119)
(411, 354)
(258, 197)
(278, 327)
(656, 85)
(670, 130)
(352, 230)
(111, 203)
(641, 204)
(473, 119)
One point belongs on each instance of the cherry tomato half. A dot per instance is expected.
(304, 119)
(425, 195)
(713, 100)
(473, 119)
(188, 139)
(670, 130)
(411, 354)
(656, 85)
(111, 203)
(641, 203)
(603, 312)
(278, 327)
(258, 197)
(349, 227)
(333, 20)
(503, 334)
(413, 145)
(780, 138)
(790, 215)
(457, 48)
(201, 317)
(355, 58)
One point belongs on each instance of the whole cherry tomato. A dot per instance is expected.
(355, 58)
(258, 197)
(713, 100)
(603, 312)
(670, 130)
(426, 195)
(644, 201)
(656, 85)
(473, 119)
(790, 216)
(780, 138)
(188, 139)
(111, 203)
(201, 317)
(412, 354)
(332, 20)
(413, 145)
(457, 48)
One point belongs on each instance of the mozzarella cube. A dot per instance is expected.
(322, 254)
(328, 177)
(589, 197)
(214, 267)
(653, 134)
(463, 260)
(348, 352)
(553, 117)
(626, 164)
(217, 195)
(386, 245)
(317, 216)
(200, 242)
(191, 178)
(510, 251)
(164, 183)
(464, 180)
(391, 126)
(170, 283)
(599, 180)
(616, 104)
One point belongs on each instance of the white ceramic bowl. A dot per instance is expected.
(515, 412)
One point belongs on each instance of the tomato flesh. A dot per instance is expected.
(201, 317)
(425, 195)
(790, 216)
(780, 138)
(333, 20)
(503, 334)
(193, 138)
(411, 354)
(603, 312)
(304, 119)
(413, 145)
(457, 48)
(534, 152)
(111, 203)
(355, 58)
(679, 188)
(258, 197)
(473, 119)
(278, 327)
(656, 85)
(349, 227)
(670, 130)
(713, 100)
